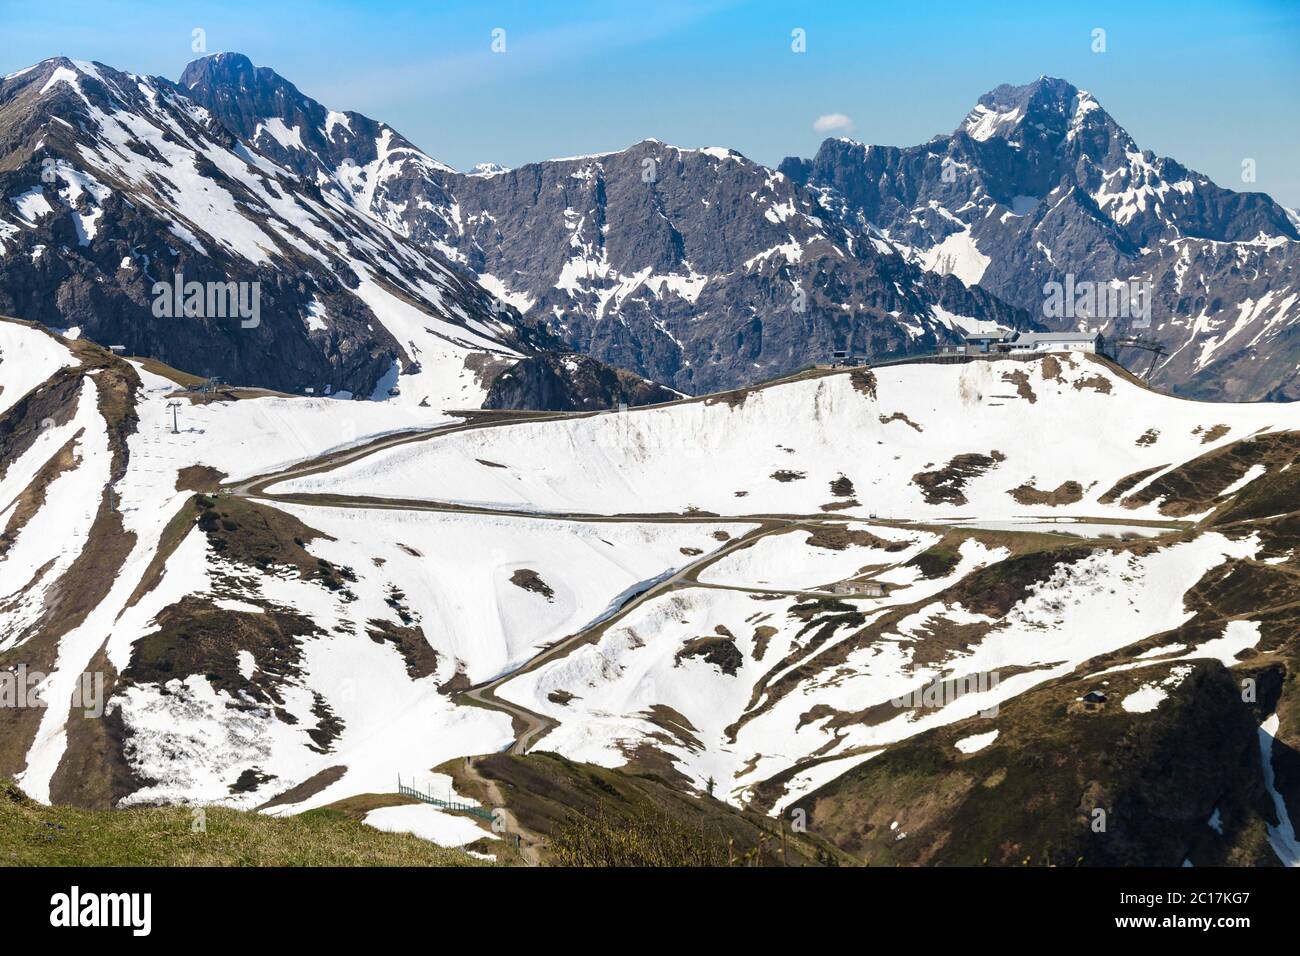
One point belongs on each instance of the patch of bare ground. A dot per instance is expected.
(732, 399)
(94, 772)
(1067, 493)
(842, 487)
(530, 580)
(1148, 437)
(421, 659)
(675, 723)
(831, 506)
(1098, 383)
(1020, 379)
(763, 635)
(691, 552)
(328, 726)
(486, 367)
(786, 475)
(864, 381)
(458, 683)
(1050, 367)
(937, 561)
(251, 780)
(357, 807)
(255, 535)
(1211, 434)
(183, 379)
(199, 478)
(719, 650)
(561, 697)
(946, 485)
(488, 464)
(194, 636)
(837, 537)
(900, 417)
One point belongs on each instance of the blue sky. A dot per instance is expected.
(1208, 83)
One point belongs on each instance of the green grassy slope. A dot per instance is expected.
(32, 834)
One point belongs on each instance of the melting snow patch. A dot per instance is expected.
(1145, 700)
(1253, 472)
(315, 317)
(32, 205)
(428, 823)
(968, 745)
(1148, 697)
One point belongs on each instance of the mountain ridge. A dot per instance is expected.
(1038, 181)
(631, 235)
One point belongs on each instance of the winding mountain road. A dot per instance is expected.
(530, 726)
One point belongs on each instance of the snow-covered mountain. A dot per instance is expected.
(944, 611)
(1039, 182)
(292, 606)
(113, 183)
(694, 267)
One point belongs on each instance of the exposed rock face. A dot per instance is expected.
(1038, 183)
(571, 382)
(714, 274)
(698, 268)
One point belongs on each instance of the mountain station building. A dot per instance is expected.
(1020, 343)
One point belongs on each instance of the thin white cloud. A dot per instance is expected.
(833, 123)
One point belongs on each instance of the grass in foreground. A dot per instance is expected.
(32, 834)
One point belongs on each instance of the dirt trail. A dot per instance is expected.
(529, 841)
